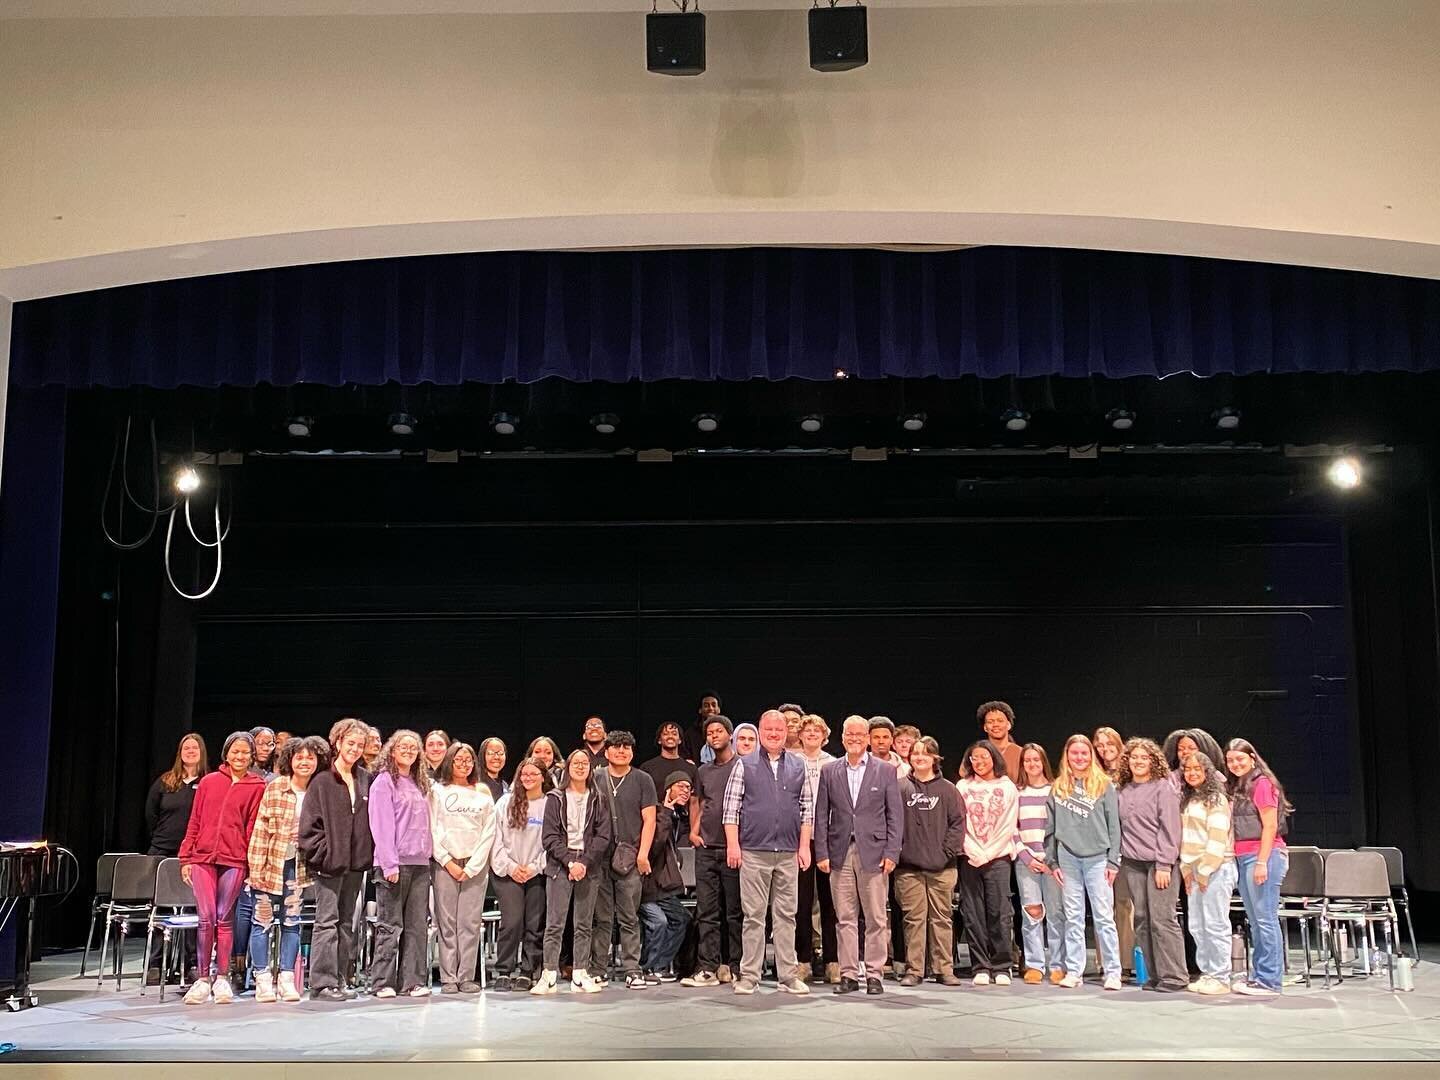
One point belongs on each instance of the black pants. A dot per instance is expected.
(989, 916)
(717, 910)
(811, 882)
(522, 923)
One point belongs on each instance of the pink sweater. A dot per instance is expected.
(991, 813)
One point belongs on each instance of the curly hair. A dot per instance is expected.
(1158, 769)
(292, 746)
(1212, 790)
(419, 771)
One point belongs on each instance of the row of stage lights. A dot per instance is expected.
(675, 40)
(1015, 420)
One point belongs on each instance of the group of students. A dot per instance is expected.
(583, 850)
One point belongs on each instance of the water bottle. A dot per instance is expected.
(1142, 973)
(1237, 955)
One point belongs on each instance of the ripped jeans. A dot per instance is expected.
(267, 906)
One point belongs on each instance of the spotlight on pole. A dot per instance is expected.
(675, 40)
(1015, 419)
(504, 423)
(298, 427)
(812, 423)
(838, 37)
(402, 424)
(1120, 419)
(707, 422)
(913, 422)
(187, 480)
(1345, 473)
(605, 423)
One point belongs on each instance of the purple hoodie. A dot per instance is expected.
(399, 822)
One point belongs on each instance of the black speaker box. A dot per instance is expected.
(675, 42)
(838, 38)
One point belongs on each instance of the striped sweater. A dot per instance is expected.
(1206, 843)
(1033, 815)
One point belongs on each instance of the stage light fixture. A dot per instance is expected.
(1120, 419)
(604, 423)
(913, 422)
(402, 424)
(841, 373)
(1015, 419)
(812, 423)
(707, 422)
(187, 480)
(504, 423)
(1345, 473)
(298, 427)
(675, 40)
(1226, 419)
(838, 37)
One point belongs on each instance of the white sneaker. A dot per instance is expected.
(1070, 982)
(1211, 987)
(199, 992)
(793, 986)
(982, 978)
(264, 987)
(223, 994)
(581, 982)
(700, 978)
(547, 983)
(744, 986)
(1252, 989)
(419, 991)
(1112, 982)
(288, 990)
(385, 992)
(1002, 979)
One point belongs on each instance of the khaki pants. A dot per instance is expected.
(769, 880)
(854, 889)
(926, 900)
(1125, 922)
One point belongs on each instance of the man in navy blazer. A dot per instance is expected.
(859, 824)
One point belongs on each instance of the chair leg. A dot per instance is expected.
(1409, 923)
(120, 952)
(164, 960)
(145, 967)
(1386, 926)
(1305, 947)
(89, 935)
(104, 947)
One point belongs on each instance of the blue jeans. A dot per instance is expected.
(663, 922)
(1049, 927)
(1210, 923)
(1086, 877)
(1262, 902)
(265, 907)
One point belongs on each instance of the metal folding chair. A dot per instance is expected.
(132, 896)
(1357, 890)
(104, 880)
(1395, 867)
(1301, 899)
(173, 912)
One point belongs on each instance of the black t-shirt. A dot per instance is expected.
(631, 794)
(710, 786)
(659, 768)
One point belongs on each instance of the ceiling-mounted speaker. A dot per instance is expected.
(839, 40)
(675, 42)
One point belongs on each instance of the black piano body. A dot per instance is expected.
(29, 872)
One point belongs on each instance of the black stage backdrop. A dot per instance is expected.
(512, 598)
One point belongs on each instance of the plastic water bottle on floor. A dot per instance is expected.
(1142, 973)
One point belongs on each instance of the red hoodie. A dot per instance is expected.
(222, 819)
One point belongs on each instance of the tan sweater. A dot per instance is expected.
(1205, 840)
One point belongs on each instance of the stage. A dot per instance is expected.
(665, 1026)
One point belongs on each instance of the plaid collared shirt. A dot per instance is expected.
(735, 790)
(274, 835)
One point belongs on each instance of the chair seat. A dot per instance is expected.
(179, 922)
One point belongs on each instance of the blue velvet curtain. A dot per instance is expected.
(732, 315)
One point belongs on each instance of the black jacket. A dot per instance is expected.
(664, 877)
(167, 814)
(553, 833)
(334, 838)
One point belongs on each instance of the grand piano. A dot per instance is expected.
(28, 872)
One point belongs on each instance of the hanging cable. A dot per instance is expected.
(122, 457)
(220, 533)
(219, 551)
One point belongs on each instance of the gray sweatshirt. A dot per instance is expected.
(1150, 822)
(517, 847)
(1083, 826)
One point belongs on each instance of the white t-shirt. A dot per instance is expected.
(575, 820)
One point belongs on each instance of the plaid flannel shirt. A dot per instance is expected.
(275, 828)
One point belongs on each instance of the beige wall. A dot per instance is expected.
(1297, 131)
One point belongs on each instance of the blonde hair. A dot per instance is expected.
(814, 720)
(1094, 779)
(1111, 734)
